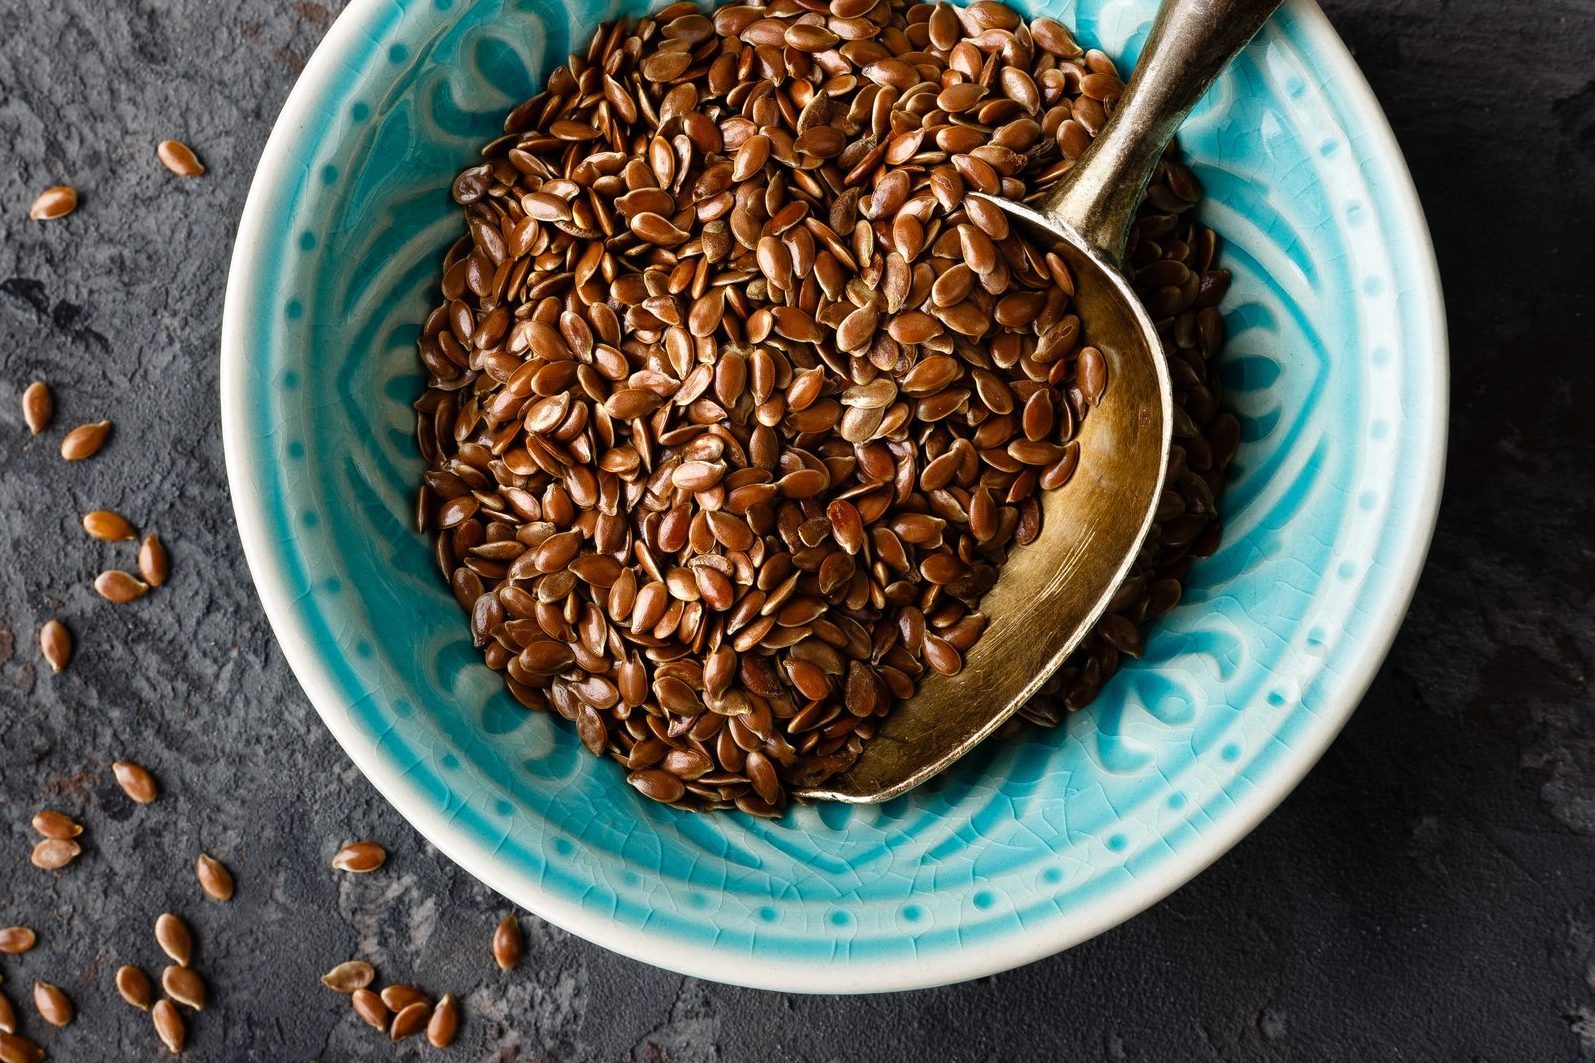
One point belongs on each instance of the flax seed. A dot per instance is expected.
(729, 471)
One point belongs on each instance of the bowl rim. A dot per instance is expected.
(703, 960)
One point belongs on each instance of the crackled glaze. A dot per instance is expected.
(1336, 365)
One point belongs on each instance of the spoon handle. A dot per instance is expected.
(1191, 42)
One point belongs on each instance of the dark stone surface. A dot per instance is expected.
(1427, 894)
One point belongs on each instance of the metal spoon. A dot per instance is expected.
(1052, 591)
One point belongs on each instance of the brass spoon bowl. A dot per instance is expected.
(1051, 592)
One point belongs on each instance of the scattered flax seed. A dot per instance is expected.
(55, 202)
(508, 944)
(169, 1025)
(17, 1049)
(8, 1015)
(55, 642)
(108, 526)
(445, 1022)
(53, 824)
(410, 1021)
(214, 878)
(15, 940)
(38, 406)
(135, 781)
(53, 854)
(174, 938)
(360, 857)
(52, 1004)
(184, 986)
(399, 997)
(120, 587)
(368, 1005)
(153, 563)
(349, 976)
(135, 987)
(179, 158)
(85, 440)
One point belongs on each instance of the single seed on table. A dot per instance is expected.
(349, 976)
(135, 986)
(135, 781)
(55, 642)
(214, 878)
(120, 587)
(174, 938)
(15, 940)
(169, 1026)
(184, 986)
(53, 1006)
(153, 563)
(410, 1021)
(398, 997)
(108, 526)
(54, 202)
(38, 405)
(179, 158)
(53, 854)
(15, 1048)
(53, 824)
(445, 1022)
(85, 440)
(8, 1015)
(360, 857)
(508, 944)
(368, 1005)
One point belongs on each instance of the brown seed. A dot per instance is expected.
(179, 158)
(55, 642)
(184, 986)
(15, 940)
(174, 938)
(349, 976)
(120, 587)
(360, 857)
(169, 1026)
(55, 202)
(53, 824)
(135, 987)
(754, 391)
(445, 1022)
(108, 526)
(153, 563)
(1092, 374)
(368, 1005)
(399, 997)
(38, 406)
(53, 1006)
(508, 944)
(17, 1049)
(8, 1015)
(85, 440)
(410, 1020)
(135, 781)
(53, 854)
(214, 878)
(659, 785)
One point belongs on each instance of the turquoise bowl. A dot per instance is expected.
(1337, 366)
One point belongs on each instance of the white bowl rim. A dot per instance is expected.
(852, 976)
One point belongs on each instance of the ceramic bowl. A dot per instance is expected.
(1336, 365)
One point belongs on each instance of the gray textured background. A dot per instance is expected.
(1427, 894)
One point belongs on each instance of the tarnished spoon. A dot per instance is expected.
(1052, 591)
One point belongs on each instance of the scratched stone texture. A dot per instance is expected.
(1427, 894)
